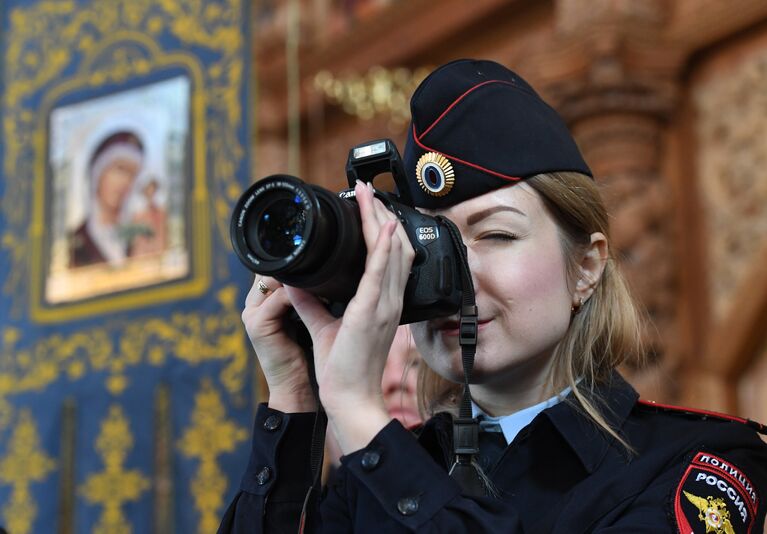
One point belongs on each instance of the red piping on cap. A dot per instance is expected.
(478, 167)
(464, 95)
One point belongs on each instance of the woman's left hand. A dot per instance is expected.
(350, 353)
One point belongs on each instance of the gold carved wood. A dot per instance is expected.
(620, 72)
(731, 162)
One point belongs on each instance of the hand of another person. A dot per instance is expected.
(350, 353)
(282, 360)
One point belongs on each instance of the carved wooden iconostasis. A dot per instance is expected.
(727, 114)
(665, 99)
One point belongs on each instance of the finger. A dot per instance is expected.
(370, 286)
(373, 214)
(406, 253)
(407, 257)
(402, 250)
(383, 221)
(370, 225)
(401, 260)
(310, 309)
(262, 315)
(262, 287)
(275, 305)
(252, 296)
(383, 215)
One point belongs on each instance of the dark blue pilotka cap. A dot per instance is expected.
(477, 126)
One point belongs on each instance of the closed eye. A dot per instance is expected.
(498, 236)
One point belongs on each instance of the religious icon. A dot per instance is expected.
(117, 191)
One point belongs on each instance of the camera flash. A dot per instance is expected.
(373, 149)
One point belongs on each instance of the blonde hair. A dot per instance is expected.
(603, 334)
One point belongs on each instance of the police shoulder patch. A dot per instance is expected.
(714, 496)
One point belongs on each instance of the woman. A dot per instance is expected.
(578, 452)
(113, 169)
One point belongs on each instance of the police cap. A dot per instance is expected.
(477, 126)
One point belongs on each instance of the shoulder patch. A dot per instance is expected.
(714, 496)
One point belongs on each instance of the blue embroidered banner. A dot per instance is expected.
(126, 391)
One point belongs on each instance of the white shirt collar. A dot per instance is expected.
(513, 423)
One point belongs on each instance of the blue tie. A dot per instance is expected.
(492, 442)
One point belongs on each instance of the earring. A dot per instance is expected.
(574, 309)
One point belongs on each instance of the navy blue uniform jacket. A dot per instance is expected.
(689, 473)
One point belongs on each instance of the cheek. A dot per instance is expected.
(538, 299)
(525, 288)
(534, 277)
(108, 184)
(420, 338)
(440, 358)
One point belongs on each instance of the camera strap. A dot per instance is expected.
(465, 469)
(316, 457)
(316, 454)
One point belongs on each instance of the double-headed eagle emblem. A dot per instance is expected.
(713, 512)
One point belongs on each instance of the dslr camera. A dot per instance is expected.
(306, 236)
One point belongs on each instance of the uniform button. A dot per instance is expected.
(264, 476)
(370, 460)
(407, 505)
(272, 423)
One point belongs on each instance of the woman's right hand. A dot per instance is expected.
(282, 359)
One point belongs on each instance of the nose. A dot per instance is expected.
(398, 364)
(393, 379)
(475, 267)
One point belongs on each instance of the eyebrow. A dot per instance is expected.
(474, 218)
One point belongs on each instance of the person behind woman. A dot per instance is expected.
(579, 452)
(399, 386)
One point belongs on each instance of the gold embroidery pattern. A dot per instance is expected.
(23, 464)
(56, 47)
(209, 435)
(193, 338)
(114, 486)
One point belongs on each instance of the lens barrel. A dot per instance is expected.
(302, 235)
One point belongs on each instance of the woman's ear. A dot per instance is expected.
(590, 268)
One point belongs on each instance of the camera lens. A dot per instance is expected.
(280, 226)
(302, 235)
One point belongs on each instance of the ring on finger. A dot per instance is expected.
(262, 287)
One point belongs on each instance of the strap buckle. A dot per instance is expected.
(467, 326)
(465, 436)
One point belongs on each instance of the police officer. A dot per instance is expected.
(578, 452)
